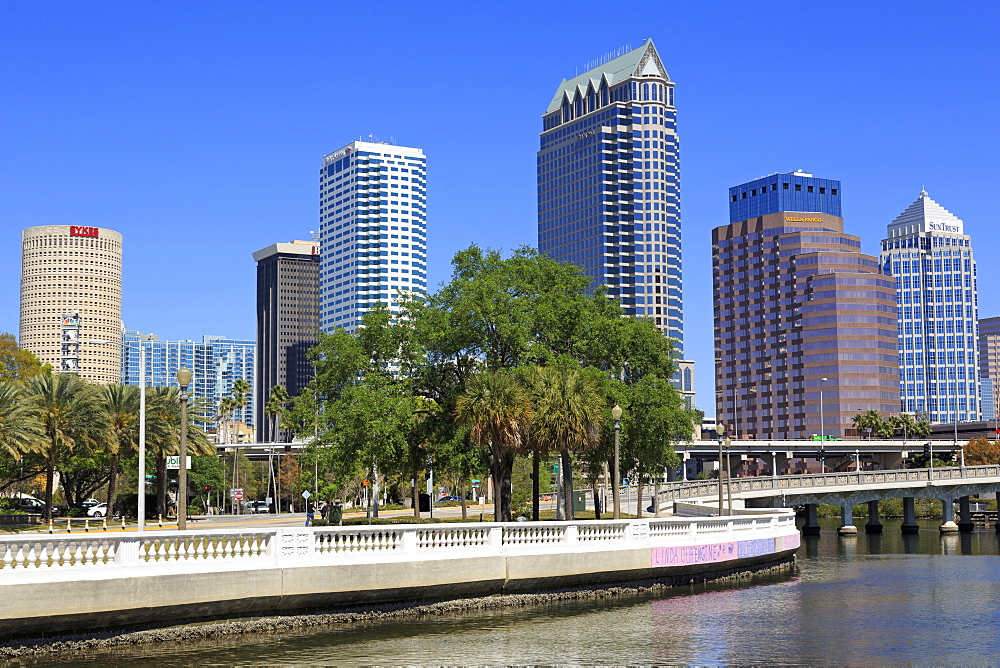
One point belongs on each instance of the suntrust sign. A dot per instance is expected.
(944, 227)
(77, 231)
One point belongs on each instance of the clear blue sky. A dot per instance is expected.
(197, 129)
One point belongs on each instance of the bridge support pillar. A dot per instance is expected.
(811, 527)
(873, 525)
(965, 523)
(948, 515)
(847, 527)
(909, 516)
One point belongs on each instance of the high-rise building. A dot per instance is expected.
(989, 365)
(287, 321)
(373, 230)
(72, 275)
(930, 256)
(608, 184)
(215, 363)
(805, 325)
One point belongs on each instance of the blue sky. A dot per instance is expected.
(197, 129)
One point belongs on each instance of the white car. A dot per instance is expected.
(100, 510)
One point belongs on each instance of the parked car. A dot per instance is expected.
(99, 510)
(30, 504)
(256, 507)
(446, 499)
(89, 503)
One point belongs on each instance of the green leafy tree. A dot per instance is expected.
(654, 420)
(17, 363)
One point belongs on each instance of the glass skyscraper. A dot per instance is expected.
(805, 325)
(373, 229)
(927, 251)
(215, 363)
(608, 184)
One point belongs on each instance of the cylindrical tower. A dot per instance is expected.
(67, 271)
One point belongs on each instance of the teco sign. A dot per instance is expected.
(77, 231)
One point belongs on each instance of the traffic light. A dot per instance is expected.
(207, 487)
(927, 449)
(821, 455)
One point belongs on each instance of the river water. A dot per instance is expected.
(869, 600)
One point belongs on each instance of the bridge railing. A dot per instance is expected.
(171, 551)
(708, 488)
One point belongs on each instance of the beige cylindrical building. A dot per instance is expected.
(71, 292)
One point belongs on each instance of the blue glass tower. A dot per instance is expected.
(608, 184)
(215, 364)
(794, 191)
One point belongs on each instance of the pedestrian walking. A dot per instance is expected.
(310, 512)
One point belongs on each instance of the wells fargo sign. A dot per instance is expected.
(796, 219)
(77, 231)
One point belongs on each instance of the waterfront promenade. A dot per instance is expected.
(75, 582)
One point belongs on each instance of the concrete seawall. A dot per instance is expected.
(73, 583)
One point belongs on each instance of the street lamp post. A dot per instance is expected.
(822, 420)
(736, 409)
(721, 432)
(141, 490)
(183, 379)
(616, 413)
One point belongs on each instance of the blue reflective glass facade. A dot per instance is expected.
(608, 185)
(215, 364)
(794, 191)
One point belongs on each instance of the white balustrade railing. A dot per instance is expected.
(264, 548)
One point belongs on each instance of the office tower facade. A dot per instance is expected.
(373, 230)
(287, 322)
(608, 184)
(989, 366)
(935, 269)
(72, 273)
(215, 363)
(805, 325)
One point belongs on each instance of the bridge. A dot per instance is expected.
(840, 454)
(847, 489)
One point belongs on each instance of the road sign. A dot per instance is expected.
(174, 462)
(306, 494)
(234, 490)
(238, 496)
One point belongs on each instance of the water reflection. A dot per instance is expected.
(871, 599)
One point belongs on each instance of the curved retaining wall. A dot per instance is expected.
(77, 582)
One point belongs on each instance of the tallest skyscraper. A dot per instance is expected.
(608, 190)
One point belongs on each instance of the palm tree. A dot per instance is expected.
(275, 408)
(903, 422)
(20, 430)
(241, 391)
(70, 414)
(121, 410)
(498, 411)
(163, 420)
(225, 413)
(870, 419)
(568, 411)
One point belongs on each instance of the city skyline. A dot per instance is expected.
(200, 90)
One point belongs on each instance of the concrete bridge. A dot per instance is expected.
(840, 454)
(847, 489)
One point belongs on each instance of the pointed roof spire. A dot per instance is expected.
(637, 62)
(925, 215)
